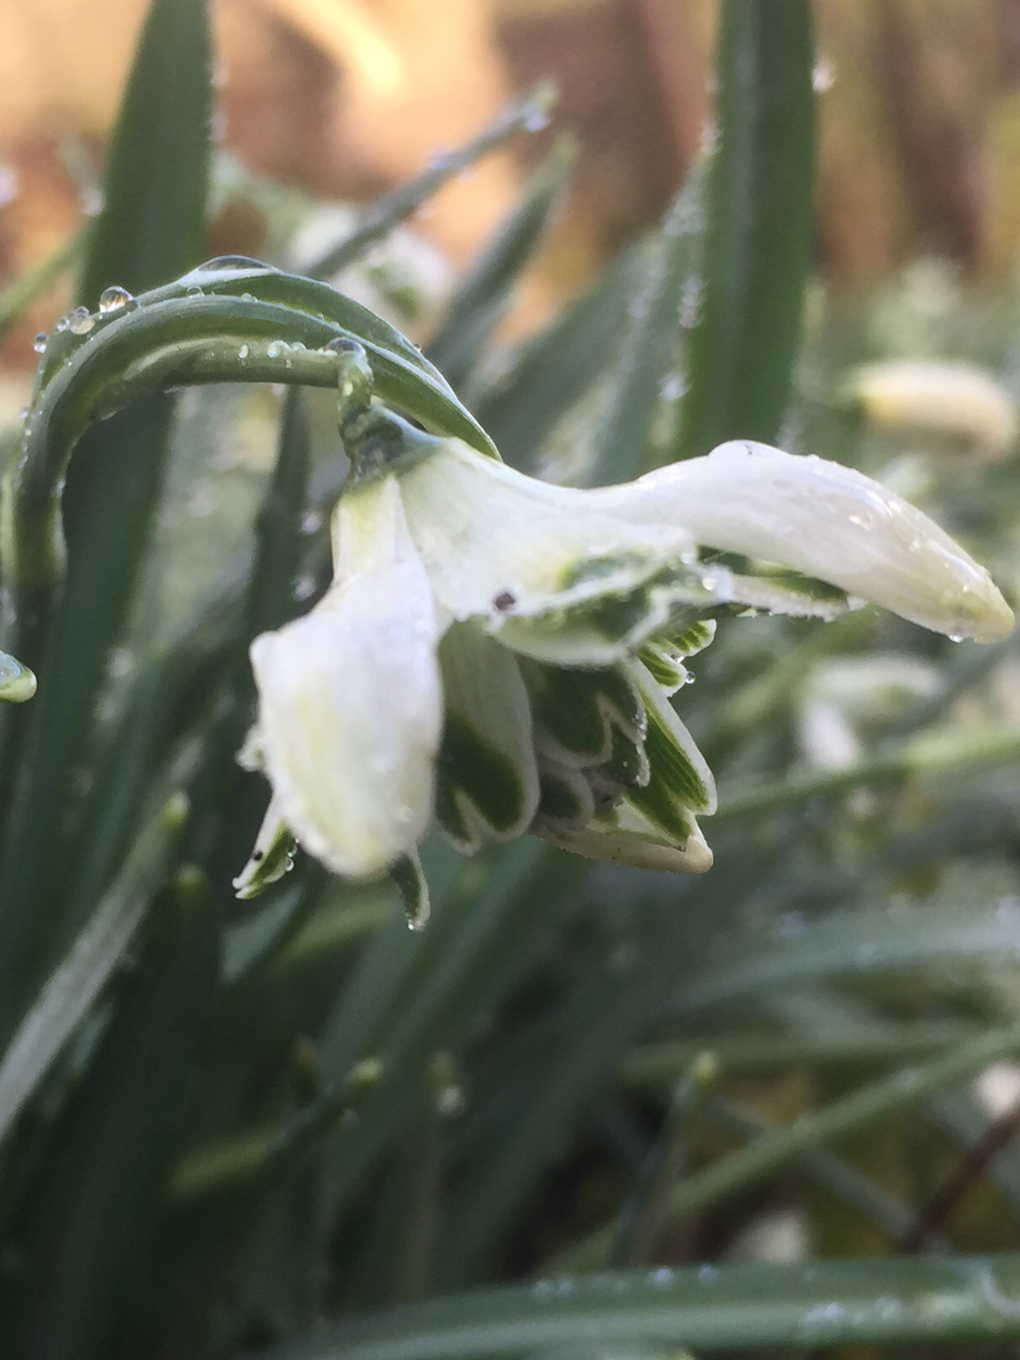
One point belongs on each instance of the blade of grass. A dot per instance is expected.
(652, 344)
(483, 296)
(21, 292)
(72, 988)
(554, 370)
(759, 229)
(774, 1151)
(530, 113)
(729, 1308)
(86, 1227)
(149, 230)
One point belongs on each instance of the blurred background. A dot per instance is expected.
(342, 99)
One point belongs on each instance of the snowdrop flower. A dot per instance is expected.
(497, 653)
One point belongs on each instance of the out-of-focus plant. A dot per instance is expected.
(224, 1121)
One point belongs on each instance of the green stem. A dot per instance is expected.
(661, 1064)
(767, 1155)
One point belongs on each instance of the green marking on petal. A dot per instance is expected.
(593, 625)
(599, 568)
(667, 670)
(693, 638)
(271, 858)
(579, 708)
(472, 767)
(680, 782)
(487, 780)
(408, 877)
(564, 796)
(628, 763)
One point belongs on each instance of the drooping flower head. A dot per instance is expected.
(497, 653)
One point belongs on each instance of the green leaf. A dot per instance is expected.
(483, 296)
(152, 224)
(86, 1226)
(71, 988)
(554, 370)
(707, 1308)
(759, 230)
(150, 229)
(529, 113)
(650, 352)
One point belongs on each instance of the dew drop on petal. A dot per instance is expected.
(80, 321)
(116, 299)
(311, 521)
(277, 348)
(194, 291)
(304, 588)
(39, 343)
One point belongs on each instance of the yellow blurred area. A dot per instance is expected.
(919, 148)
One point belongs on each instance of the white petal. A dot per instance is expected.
(825, 520)
(499, 544)
(626, 838)
(350, 708)
(494, 540)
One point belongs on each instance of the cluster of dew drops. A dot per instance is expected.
(81, 321)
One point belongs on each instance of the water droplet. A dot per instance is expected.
(247, 297)
(276, 349)
(121, 662)
(536, 120)
(115, 300)
(39, 343)
(296, 344)
(311, 521)
(543, 1289)
(672, 387)
(222, 262)
(707, 1274)
(304, 588)
(23, 413)
(80, 321)
(663, 1277)
(243, 352)
(8, 184)
(823, 77)
(194, 291)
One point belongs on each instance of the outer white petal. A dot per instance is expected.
(825, 520)
(494, 540)
(498, 543)
(350, 708)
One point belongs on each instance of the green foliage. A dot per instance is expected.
(223, 1122)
